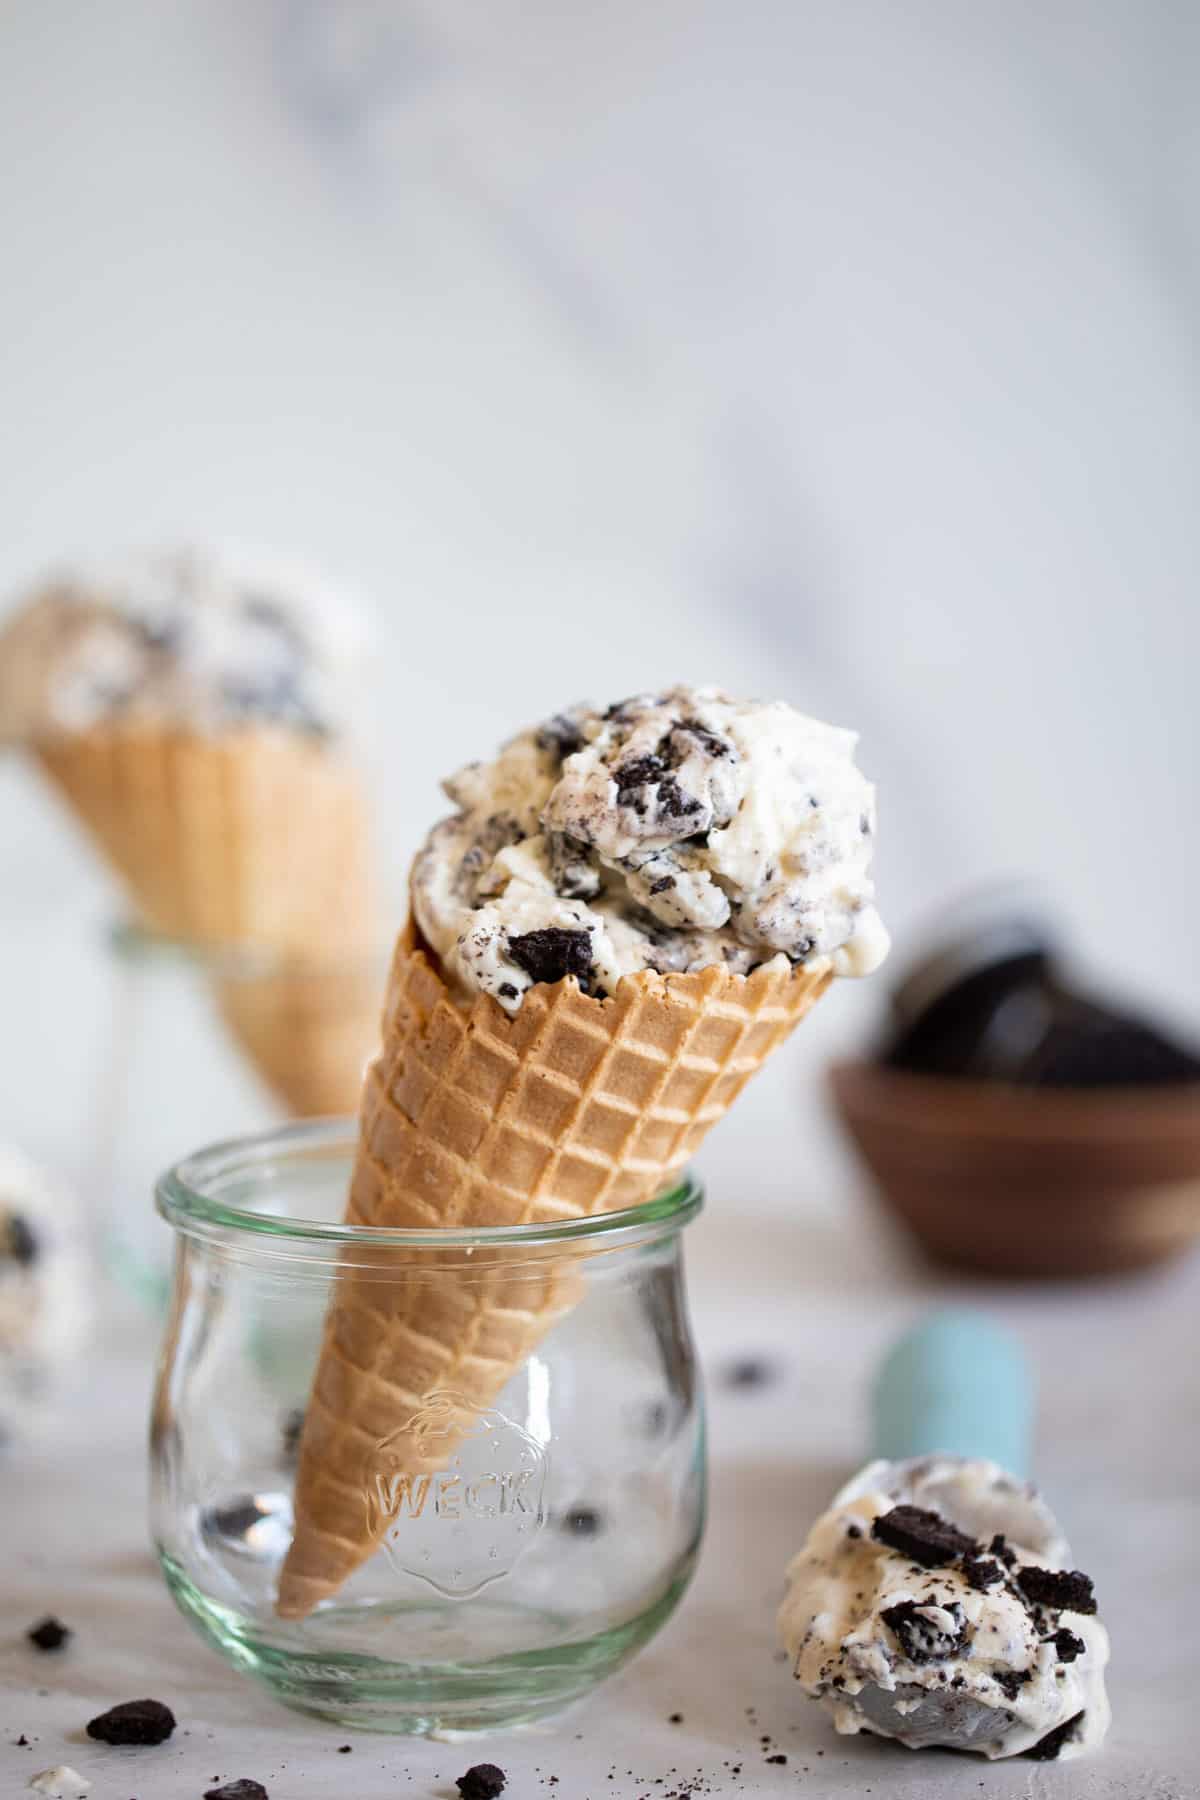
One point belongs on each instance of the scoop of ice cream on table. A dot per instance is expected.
(45, 1299)
(934, 1602)
(627, 913)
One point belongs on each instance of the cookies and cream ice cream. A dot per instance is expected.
(625, 918)
(672, 832)
(932, 1604)
(44, 1290)
(198, 639)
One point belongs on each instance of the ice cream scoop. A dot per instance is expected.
(671, 832)
(196, 711)
(934, 1601)
(210, 640)
(44, 1291)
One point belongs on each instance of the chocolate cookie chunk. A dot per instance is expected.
(673, 803)
(1063, 1589)
(483, 1782)
(553, 953)
(1011, 1681)
(981, 1572)
(1067, 1644)
(923, 1536)
(639, 772)
(49, 1634)
(245, 1789)
(574, 877)
(750, 1372)
(623, 712)
(20, 1241)
(234, 1520)
(715, 746)
(1048, 1748)
(920, 1632)
(560, 735)
(133, 1722)
(583, 1521)
(290, 1433)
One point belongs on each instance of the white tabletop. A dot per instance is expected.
(796, 1269)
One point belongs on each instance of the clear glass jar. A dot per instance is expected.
(206, 1043)
(561, 1528)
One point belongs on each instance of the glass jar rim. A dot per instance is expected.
(182, 1200)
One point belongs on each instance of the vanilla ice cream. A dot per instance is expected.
(45, 1301)
(931, 1604)
(671, 832)
(199, 639)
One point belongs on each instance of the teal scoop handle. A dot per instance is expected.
(959, 1384)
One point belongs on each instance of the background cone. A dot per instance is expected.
(308, 1028)
(472, 1117)
(253, 836)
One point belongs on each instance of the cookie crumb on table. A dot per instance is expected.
(49, 1633)
(482, 1782)
(133, 1722)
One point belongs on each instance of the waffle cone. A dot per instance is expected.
(308, 1028)
(253, 836)
(471, 1117)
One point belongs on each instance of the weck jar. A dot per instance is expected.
(547, 1534)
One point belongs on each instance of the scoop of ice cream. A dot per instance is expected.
(198, 639)
(670, 832)
(44, 1291)
(931, 1604)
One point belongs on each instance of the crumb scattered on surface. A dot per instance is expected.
(481, 1782)
(751, 1372)
(133, 1722)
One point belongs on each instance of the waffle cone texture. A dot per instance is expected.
(308, 1028)
(472, 1117)
(252, 836)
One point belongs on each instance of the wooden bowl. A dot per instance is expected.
(1029, 1181)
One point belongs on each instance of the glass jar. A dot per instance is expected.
(564, 1520)
(206, 1043)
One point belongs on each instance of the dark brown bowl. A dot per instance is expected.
(1027, 1181)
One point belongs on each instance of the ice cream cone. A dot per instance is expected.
(255, 835)
(472, 1116)
(308, 1027)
